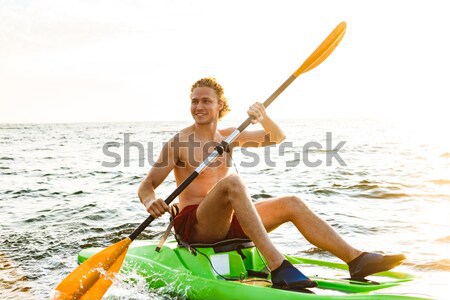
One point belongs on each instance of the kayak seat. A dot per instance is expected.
(236, 244)
(243, 257)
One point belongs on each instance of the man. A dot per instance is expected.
(217, 205)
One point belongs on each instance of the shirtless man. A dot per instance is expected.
(217, 205)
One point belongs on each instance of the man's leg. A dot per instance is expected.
(277, 211)
(214, 215)
(216, 210)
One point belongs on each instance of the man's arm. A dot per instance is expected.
(159, 171)
(271, 133)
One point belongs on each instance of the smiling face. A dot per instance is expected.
(211, 82)
(205, 105)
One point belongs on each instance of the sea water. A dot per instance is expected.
(382, 185)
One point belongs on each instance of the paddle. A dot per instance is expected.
(93, 277)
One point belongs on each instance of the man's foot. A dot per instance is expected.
(370, 262)
(286, 277)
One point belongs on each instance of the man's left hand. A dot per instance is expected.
(258, 112)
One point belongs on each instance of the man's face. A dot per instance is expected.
(205, 105)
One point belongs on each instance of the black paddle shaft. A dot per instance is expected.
(210, 159)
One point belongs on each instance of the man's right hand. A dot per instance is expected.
(156, 207)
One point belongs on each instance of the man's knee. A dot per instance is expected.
(295, 202)
(287, 208)
(232, 185)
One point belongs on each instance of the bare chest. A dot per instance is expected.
(192, 156)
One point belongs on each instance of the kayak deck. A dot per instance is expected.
(239, 274)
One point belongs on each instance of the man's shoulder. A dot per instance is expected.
(183, 134)
(225, 132)
(186, 131)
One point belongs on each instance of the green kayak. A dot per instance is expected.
(237, 270)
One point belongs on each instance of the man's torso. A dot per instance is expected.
(191, 151)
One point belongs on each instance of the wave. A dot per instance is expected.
(375, 190)
(364, 185)
(379, 194)
(40, 218)
(262, 196)
(324, 192)
(315, 250)
(9, 173)
(13, 282)
(6, 158)
(117, 176)
(441, 181)
(93, 173)
(114, 234)
(132, 180)
(431, 196)
(78, 193)
(445, 239)
(25, 191)
(438, 265)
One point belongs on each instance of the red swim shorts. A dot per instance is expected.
(184, 224)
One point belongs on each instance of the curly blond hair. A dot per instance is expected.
(212, 83)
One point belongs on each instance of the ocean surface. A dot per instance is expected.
(61, 192)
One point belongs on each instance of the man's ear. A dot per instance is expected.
(220, 104)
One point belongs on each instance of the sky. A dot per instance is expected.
(96, 61)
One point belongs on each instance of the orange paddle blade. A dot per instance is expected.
(93, 277)
(324, 50)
